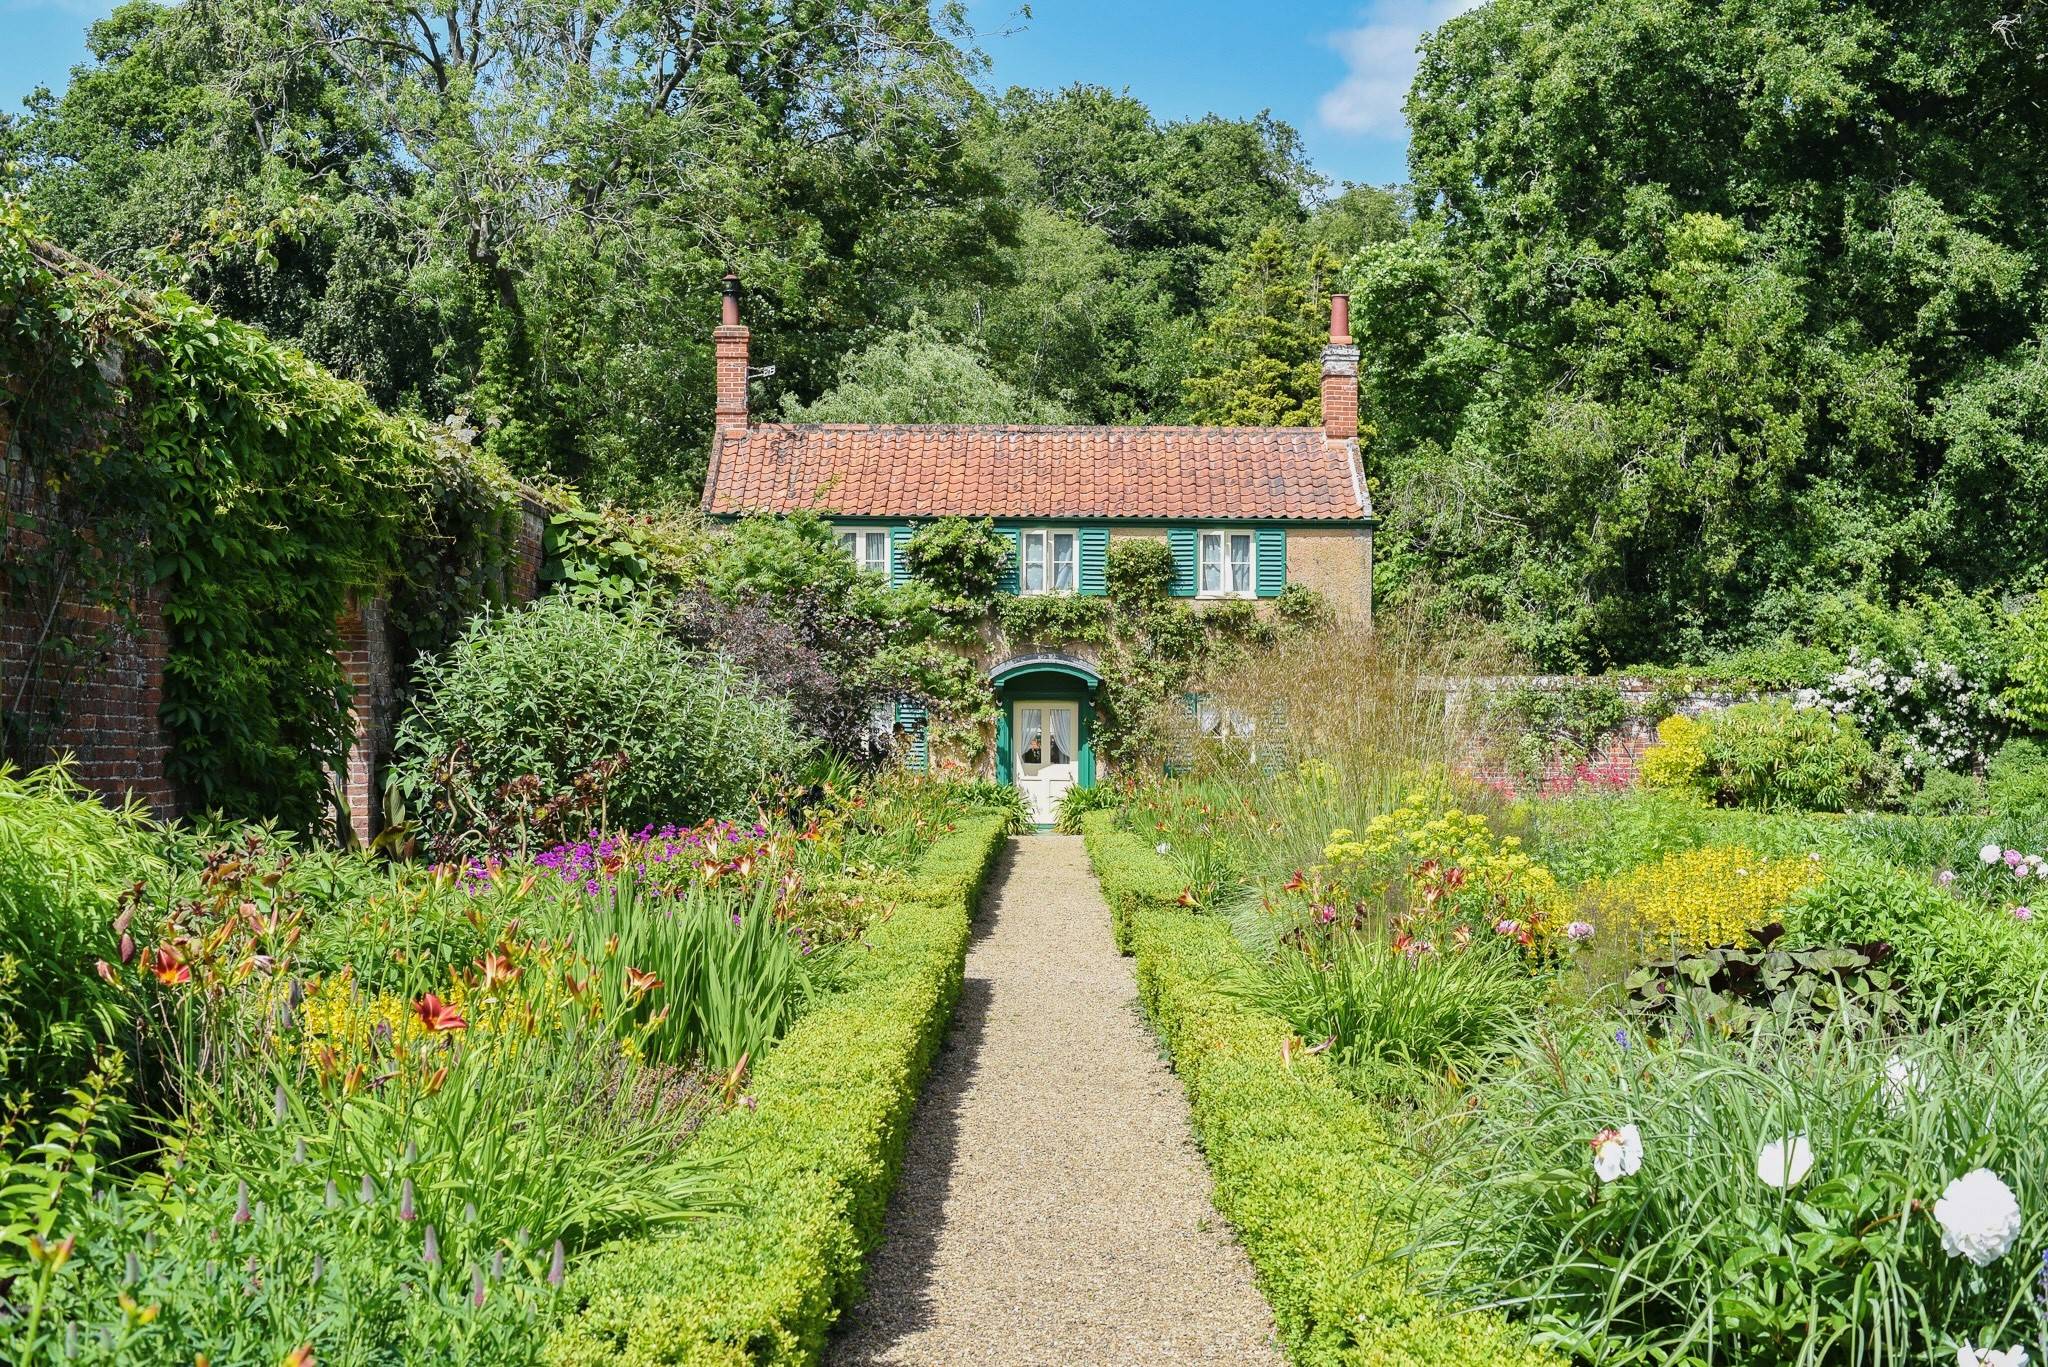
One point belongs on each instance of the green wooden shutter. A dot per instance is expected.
(1181, 541)
(1272, 556)
(911, 717)
(899, 563)
(1009, 580)
(1095, 560)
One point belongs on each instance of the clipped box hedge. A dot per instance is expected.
(813, 1164)
(1301, 1164)
(1132, 873)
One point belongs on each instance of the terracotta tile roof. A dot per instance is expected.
(1035, 472)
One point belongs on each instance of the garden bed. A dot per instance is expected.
(815, 1157)
(1302, 1167)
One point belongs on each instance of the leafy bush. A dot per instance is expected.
(1959, 953)
(962, 559)
(1686, 1252)
(1421, 1015)
(2016, 779)
(1710, 896)
(563, 690)
(1079, 802)
(1678, 761)
(64, 861)
(1773, 754)
(1536, 727)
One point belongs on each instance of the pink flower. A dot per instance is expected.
(1579, 930)
(1506, 927)
(1945, 877)
(2022, 913)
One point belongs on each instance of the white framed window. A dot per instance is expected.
(1227, 563)
(869, 547)
(1048, 560)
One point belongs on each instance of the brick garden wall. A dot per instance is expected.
(1614, 765)
(87, 680)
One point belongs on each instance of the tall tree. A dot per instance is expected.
(1709, 309)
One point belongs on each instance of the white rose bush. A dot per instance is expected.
(1797, 1194)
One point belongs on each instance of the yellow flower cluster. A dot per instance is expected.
(1703, 897)
(337, 1021)
(1428, 828)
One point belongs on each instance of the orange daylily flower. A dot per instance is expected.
(498, 969)
(638, 982)
(438, 1015)
(168, 967)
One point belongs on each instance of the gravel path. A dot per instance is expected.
(1053, 1207)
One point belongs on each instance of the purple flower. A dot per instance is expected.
(2022, 913)
(1506, 927)
(1945, 877)
(1579, 930)
(1621, 1038)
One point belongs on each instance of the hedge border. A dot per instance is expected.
(1300, 1163)
(815, 1161)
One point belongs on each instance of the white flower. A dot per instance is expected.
(1783, 1162)
(1161, 848)
(1902, 1078)
(1617, 1153)
(1991, 854)
(1979, 1217)
(1966, 1356)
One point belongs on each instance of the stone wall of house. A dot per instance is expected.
(1334, 561)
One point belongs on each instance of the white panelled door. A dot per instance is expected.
(1045, 761)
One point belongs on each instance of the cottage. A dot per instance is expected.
(1246, 511)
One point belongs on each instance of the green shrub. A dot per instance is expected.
(2016, 779)
(1959, 953)
(559, 690)
(1396, 1019)
(1773, 754)
(1693, 1257)
(1133, 875)
(962, 558)
(64, 861)
(1080, 801)
(814, 1161)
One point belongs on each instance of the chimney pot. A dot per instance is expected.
(1340, 319)
(730, 305)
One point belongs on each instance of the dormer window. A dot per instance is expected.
(1228, 561)
(869, 547)
(1049, 558)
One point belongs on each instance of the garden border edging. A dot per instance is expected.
(1289, 1148)
(816, 1159)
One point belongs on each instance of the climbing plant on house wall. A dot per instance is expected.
(172, 451)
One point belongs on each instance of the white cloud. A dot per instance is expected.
(1380, 57)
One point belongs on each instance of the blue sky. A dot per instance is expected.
(1337, 72)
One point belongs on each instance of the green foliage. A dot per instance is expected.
(732, 977)
(383, 200)
(815, 1157)
(1735, 989)
(917, 376)
(2016, 779)
(1947, 952)
(1693, 1256)
(1723, 309)
(1055, 618)
(1301, 608)
(1261, 356)
(64, 861)
(962, 559)
(1305, 1172)
(1140, 572)
(1547, 725)
(558, 691)
(1080, 802)
(1773, 754)
(2026, 696)
(253, 490)
(1394, 1021)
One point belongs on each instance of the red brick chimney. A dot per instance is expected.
(729, 341)
(1340, 374)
